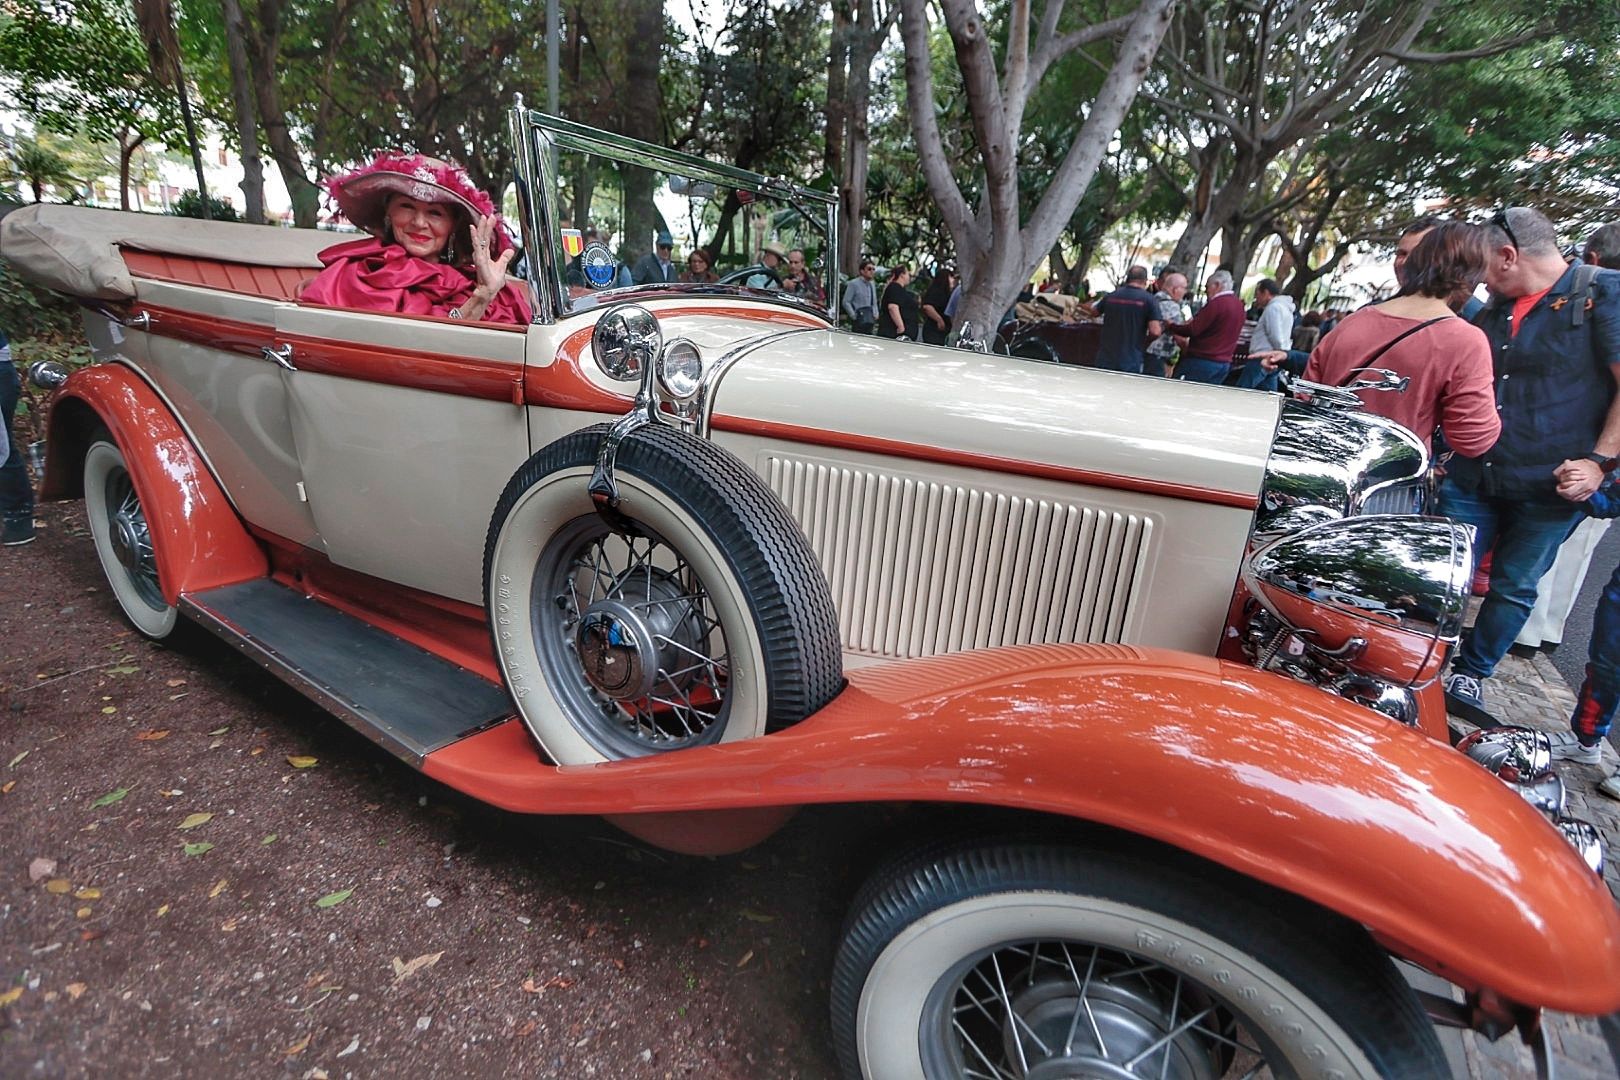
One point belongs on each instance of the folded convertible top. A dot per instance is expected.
(75, 249)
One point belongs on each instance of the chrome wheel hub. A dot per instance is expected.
(131, 539)
(630, 640)
(1055, 1010)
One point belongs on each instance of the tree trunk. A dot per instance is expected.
(865, 40)
(305, 195)
(641, 120)
(126, 151)
(247, 121)
(837, 110)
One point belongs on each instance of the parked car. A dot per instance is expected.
(1141, 652)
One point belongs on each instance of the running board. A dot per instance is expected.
(400, 696)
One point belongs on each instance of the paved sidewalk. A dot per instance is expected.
(1534, 694)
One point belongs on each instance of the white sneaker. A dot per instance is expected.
(1610, 785)
(1566, 747)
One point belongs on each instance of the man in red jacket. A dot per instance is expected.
(1212, 336)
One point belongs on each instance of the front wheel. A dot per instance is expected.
(124, 541)
(1029, 961)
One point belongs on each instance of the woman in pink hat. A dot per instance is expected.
(436, 246)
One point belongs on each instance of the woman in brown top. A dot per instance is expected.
(1447, 359)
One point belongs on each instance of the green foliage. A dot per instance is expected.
(27, 311)
(189, 204)
(80, 65)
(32, 166)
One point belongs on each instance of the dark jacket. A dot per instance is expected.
(1553, 389)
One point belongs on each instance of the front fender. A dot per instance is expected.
(200, 541)
(1284, 783)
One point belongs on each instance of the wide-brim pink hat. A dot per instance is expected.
(362, 195)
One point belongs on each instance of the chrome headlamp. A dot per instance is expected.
(1521, 758)
(1380, 596)
(1333, 463)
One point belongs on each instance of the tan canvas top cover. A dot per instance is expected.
(74, 249)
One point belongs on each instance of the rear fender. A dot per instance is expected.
(1274, 779)
(201, 542)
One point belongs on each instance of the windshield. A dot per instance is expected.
(619, 215)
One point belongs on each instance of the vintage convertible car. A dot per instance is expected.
(1144, 657)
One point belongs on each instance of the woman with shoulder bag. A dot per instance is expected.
(1417, 334)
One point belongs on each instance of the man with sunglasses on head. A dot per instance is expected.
(1555, 350)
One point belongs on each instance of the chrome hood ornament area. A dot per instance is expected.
(1330, 463)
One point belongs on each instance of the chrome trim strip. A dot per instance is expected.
(537, 248)
(717, 372)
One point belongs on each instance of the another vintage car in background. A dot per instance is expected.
(1146, 653)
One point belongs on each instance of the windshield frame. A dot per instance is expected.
(537, 137)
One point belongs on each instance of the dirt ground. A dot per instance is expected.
(203, 874)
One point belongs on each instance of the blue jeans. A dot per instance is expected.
(1197, 369)
(16, 492)
(1600, 692)
(1254, 376)
(1526, 536)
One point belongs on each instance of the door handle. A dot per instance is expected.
(281, 355)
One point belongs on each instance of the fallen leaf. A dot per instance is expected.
(198, 849)
(75, 990)
(228, 925)
(268, 840)
(616, 962)
(151, 736)
(10, 996)
(194, 820)
(217, 889)
(40, 869)
(124, 669)
(89, 934)
(17, 759)
(334, 899)
(87, 894)
(756, 916)
(162, 911)
(256, 751)
(404, 970)
(354, 1044)
(747, 956)
(527, 1028)
(5, 788)
(298, 1047)
(58, 886)
(110, 798)
(220, 730)
(83, 913)
(108, 710)
(171, 793)
(174, 682)
(299, 761)
(529, 987)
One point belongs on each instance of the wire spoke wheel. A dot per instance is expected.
(1027, 959)
(698, 615)
(635, 621)
(124, 541)
(1047, 1009)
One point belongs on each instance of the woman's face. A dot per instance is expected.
(421, 228)
(696, 264)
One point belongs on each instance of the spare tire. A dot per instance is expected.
(702, 617)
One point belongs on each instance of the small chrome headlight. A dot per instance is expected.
(47, 374)
(1516, 755)
(625, 342)
(680, 369)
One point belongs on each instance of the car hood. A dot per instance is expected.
(1210, 441)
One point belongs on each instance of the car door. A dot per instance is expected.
(407, 429)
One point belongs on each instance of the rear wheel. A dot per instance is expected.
(124, 540)
(1032, 961)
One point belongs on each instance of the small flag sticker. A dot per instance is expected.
(573, 242)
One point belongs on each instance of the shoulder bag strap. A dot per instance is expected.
(1388, 345)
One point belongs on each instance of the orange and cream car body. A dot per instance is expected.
(1155, 620)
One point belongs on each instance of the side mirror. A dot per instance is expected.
(626, 341)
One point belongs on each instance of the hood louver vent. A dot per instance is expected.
(919, 568)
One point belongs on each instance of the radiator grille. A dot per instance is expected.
(919, 567)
